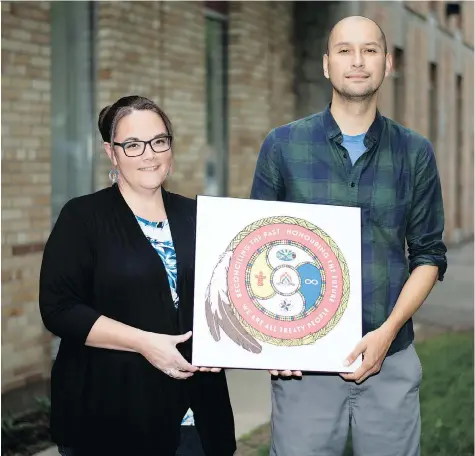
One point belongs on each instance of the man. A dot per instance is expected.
(351, 155)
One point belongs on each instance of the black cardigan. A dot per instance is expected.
(98, 262)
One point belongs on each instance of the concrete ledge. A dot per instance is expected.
(21, 399)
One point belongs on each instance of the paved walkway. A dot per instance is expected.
(250, 398)
(451, 302)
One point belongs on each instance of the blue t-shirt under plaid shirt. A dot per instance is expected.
(160, 237)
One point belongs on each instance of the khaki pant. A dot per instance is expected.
(313, 415)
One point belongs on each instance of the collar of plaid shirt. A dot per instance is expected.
(333, 130)
(395, 183)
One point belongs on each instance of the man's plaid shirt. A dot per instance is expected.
(395, 183)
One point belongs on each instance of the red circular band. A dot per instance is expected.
(244, 304)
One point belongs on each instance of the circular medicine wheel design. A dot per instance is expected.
(288, 282)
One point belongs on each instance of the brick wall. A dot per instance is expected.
(418, 7)
(25, 188)
(157, 52)
(184, 91)
(260, 79)
(468, 144)
(127, 52)
(382, 16)
(417, 79)
(281, 102)
(447, 136)
(411, 18)
(468, 11)
(311, 29)
(260, 83)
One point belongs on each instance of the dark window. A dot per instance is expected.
(216, 30)
(454, 8)
(218, 7)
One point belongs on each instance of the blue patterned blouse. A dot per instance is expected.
(159, 235)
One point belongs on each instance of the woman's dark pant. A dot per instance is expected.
(190, 444)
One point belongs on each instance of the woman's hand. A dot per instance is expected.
(285, 373)
(210, 369)
(160, 350)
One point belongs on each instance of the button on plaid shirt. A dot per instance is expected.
(395, 183)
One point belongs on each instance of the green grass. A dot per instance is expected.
(446, 396)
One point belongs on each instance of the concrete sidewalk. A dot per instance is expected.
(451, 303)
(250, 398)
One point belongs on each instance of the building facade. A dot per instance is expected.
(225, 73)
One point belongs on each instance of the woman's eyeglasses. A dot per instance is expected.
(136, 148)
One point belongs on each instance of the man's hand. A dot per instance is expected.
(374, 347)
(286, 373)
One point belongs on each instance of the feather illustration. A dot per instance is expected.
(218, 309)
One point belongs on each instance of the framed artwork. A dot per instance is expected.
(277, 285)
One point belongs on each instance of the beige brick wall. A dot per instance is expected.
(184, 91)
(382, 16)
(468, 12)
(281, 102)
(468, 145)
(419, 7)
(417, 80)
(260, 83)
(447, 137)
(440, 14)
(158, 53)
(25, 188)
(416, 113)
(126, 59)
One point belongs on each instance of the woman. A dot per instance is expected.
(116, 286)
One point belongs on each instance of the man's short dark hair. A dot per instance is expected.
(383, 36)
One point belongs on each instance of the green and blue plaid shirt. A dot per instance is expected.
(395, 183)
